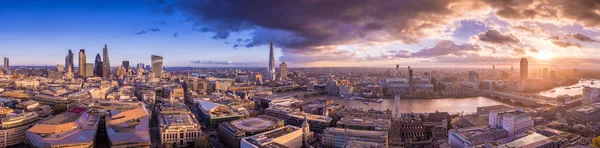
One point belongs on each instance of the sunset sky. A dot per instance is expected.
(306, 33)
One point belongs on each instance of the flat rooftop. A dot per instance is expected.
(253, 124)
(472, 132)
(346, 131)
(287, 136)
(365, 121)
(312, 117)
(587, 109)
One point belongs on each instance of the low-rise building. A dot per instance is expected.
(336, 137)
(585, 113)
(284, 137)
(474, 136)
(364, 123)
(232, 132)
(178, 129)
(214, 114)
(128, 128)
(74, 128)
(14, 127)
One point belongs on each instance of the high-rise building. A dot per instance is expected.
(271, 74)
(126, 65)
(89, 69)
(411, 82)
(524, 68)
(283, 71)
(106, 68)
(6, 63)
(157, 64)
(82, 63)
(99, 66)
(69, 60)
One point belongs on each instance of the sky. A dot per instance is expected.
(306, 33)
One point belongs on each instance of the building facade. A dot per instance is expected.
(336, 137)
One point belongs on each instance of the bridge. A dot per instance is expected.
(525, 99)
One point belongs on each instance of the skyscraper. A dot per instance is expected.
(6, 63)
(99, 66)
(69, 60)
(271, 63)
(524, 68)
(106, 68)
(411, 82)
(82, 63)
(126, 65)
(157, 64)
(283, 71)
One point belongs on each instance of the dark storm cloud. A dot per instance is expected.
(582, 37)
(494, 36)
(308, 25)
(442, 48)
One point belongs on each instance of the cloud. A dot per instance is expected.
(141, 32)
(494, 36)
(298, 26)
(210, 62)
(518, 52)
(176, 34)
(582, 37)
(565, 44)
(147, 31)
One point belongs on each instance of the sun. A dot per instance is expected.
(543, 55)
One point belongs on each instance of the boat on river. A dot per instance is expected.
(367, 103)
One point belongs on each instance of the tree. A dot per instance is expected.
(596, 142)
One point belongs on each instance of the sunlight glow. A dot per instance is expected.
(543, 55)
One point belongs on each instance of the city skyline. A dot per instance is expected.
(185, 32)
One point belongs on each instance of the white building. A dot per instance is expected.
(515, 122)
(591, 94)
(27, 84)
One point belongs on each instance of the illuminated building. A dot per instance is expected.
(82, 63)
(74, 128)
(157, 63)
(524, 68)
(232, 132)
(14, 127)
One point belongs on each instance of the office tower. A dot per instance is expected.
(89, 69)
(283, 71)
(6, 63)
(396, 107)
(126, 65)
(524, 68)
(69, 60)
(397, 70)
(545, 74)
(410, 82)
(99, 66)
(157, 64)
(82, 63)
(106, 68)
(271, 63)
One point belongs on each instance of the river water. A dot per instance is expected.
(451, 105)
(572, 91)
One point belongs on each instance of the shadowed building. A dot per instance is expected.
(106, 68)
(157, 63)
(82, 63)
(98, 66)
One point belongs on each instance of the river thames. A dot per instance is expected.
(451, 105)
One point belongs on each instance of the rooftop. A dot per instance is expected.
(254, 123)
(346, 131)
(587, 108)
(287, 136)
(312, 117)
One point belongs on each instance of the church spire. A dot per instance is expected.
(305, 132)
